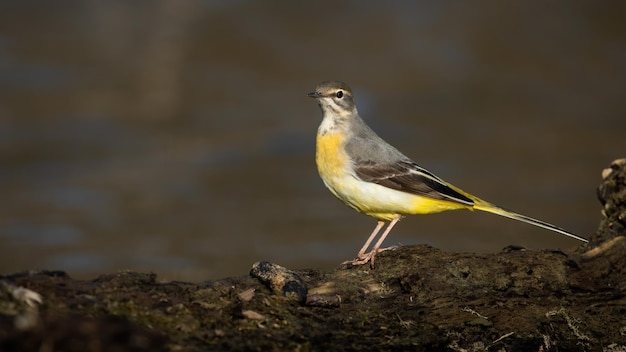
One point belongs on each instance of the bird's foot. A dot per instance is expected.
(364, 258)
(390, 248)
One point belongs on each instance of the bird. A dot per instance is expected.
(374, 178)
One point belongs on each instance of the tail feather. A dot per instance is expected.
(482, 205)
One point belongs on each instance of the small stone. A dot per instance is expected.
(246, 295)
(250, 314)
(280, 280)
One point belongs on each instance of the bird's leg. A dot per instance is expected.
(361, 254)
(387, 230)
(369, 257)
(376, 248)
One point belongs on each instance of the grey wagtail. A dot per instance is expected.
(374, 178)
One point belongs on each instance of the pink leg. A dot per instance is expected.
(364, 258)
(361, 255)
(382, 238)
(379, 226)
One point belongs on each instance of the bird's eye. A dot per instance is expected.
(340, 94)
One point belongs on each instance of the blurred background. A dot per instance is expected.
(176, 136)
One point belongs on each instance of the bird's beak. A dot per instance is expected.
(314, 95)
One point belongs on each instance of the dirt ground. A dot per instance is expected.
(418, 298)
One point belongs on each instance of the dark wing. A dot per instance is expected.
(407, 176)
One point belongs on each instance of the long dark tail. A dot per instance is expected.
(482, 205)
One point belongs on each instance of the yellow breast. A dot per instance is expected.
(334, 169)
(330, 156)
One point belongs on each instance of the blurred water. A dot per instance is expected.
(176, 137)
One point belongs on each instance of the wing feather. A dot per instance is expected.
(407, 176)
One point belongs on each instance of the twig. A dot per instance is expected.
(470, 310)
(502, 337)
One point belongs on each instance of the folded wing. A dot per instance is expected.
(407, 176)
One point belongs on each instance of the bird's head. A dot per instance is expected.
(334, 97)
